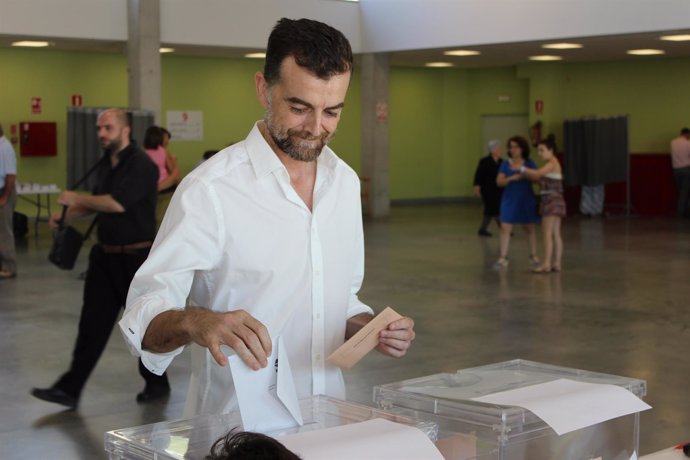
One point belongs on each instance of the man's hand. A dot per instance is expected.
(68, 198)
(54, 219)
(397, 338)
(3, 201)
(236, 329)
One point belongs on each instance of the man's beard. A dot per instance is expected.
(298, 145)
(111, 145)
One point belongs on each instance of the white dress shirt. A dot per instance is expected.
(237, 236)
(680, 152)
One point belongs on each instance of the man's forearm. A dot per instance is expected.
(9, 187)
(99, 203)
(166, 332)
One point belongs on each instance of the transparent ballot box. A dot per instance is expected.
(475, 430)
(192, 438)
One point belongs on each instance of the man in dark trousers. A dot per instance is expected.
(485, 186)
(124, 200)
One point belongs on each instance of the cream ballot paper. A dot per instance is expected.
(267, 397)
(365, 340)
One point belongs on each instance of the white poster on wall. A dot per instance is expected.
(185, 125)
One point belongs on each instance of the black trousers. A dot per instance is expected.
(105, 292)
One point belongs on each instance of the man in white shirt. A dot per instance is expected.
(680, 160)
(8, 199)
(265, 239)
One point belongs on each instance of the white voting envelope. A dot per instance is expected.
(267, 397)
(369, 440)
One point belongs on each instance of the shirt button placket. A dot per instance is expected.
(318, 343)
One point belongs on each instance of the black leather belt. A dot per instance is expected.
(126, 248)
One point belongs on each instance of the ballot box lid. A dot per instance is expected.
(192, 438)
(451, 395)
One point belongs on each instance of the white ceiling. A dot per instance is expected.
(603, 48)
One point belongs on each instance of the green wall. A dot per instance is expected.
(435, 114)
(223, 89)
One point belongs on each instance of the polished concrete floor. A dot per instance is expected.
(621, 306)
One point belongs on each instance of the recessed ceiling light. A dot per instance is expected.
(676, 38)
(461, 53)
(438, 64)
(166, 50)
(255, 55)
(562, 46)
(645, 52)
(545, 57)
(31, 44)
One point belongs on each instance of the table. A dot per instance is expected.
(26, 191)
(667, 454)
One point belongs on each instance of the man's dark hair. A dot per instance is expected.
(245, 445)
(153, 137)
(685, 132)
(522, 143)
(315, 46)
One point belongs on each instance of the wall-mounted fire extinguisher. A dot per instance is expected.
(535, 133)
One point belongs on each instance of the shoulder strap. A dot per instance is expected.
(77, 184)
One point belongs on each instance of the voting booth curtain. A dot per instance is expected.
(596, 154)
(83, 148)
(596, 151)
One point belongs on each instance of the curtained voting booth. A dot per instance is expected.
(596, 154)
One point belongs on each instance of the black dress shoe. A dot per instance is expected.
(484, 233)
(151, 394)
(55, 395)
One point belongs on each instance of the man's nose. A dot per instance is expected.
(313, 124)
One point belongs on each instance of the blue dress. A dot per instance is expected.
(518, 205)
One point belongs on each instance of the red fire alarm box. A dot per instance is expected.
(37, 138)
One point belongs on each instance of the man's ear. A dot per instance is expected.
(261, 89)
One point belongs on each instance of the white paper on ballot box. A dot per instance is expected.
(370, 440)
(267, 397)
(567, 405)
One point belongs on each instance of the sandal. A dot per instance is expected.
(542, 269)
(556, 269)
(534, 260)
(500, 263)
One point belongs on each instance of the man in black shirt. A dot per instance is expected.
(125, 202)
(485, 186)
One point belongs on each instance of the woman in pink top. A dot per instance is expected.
(168, 172)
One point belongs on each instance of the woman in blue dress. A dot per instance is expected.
(518, 206)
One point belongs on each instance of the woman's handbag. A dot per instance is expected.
(67, 240)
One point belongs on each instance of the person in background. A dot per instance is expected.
(168, 172)
(485, 186)
(8, 200)
(680, 160)
(518, 205)
(124, 200)
(551, 205)
(171, 162)
(155, 141)
(265, 240)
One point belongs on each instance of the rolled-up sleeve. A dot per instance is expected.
(188, 241)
